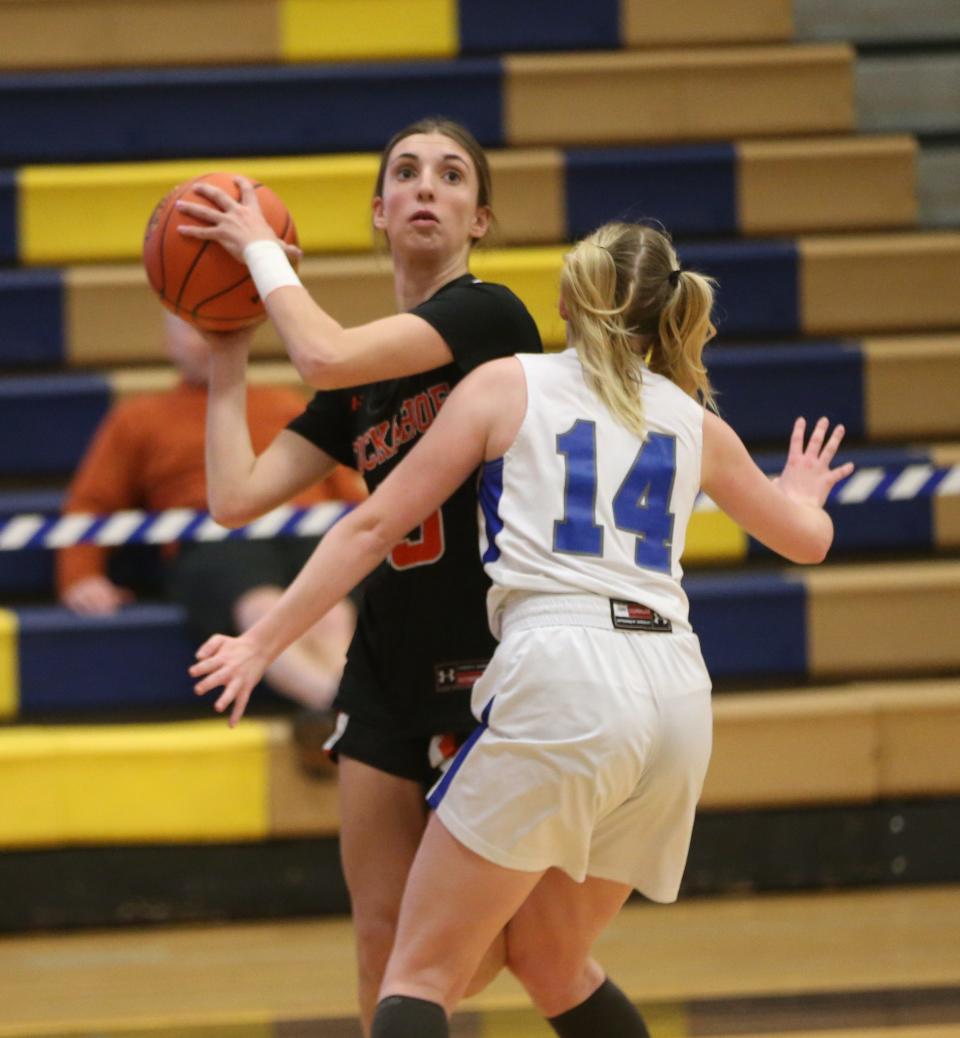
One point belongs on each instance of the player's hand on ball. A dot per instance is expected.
(236, 665)
(807, 476)
(231, 222)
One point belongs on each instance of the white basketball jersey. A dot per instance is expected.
(580, 504)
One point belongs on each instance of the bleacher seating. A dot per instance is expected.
(778, 287)
(198, 781)
(761, 387)
(756, 131)
(80, 214)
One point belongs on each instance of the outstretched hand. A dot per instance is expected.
(231, 222)
(807, 476)
(233, 663)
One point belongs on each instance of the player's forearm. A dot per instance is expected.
(813, 534)
(229, 451)
(313, 339)
(352, 549)
(800, 531)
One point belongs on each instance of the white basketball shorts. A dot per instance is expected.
(591, 751)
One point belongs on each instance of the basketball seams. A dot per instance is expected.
(189, 273)
(217, 295)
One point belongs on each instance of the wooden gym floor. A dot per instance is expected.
(882, 962)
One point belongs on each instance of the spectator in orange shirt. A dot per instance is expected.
(149, 453)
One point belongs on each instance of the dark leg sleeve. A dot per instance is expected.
(607, 1011)
(398, 1016)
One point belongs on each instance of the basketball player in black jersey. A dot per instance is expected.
(422, 636)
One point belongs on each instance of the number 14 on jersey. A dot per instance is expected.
(641, 505)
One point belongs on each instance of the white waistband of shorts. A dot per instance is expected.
(523, 610)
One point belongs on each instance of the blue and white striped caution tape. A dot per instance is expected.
(899, 484)
(875, 483)
(34, 530)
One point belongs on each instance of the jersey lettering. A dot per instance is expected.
(641, 505)
(423, 547)
(381, 442)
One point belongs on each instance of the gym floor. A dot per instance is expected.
(853, 964)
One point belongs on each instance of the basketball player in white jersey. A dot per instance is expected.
(580, 783)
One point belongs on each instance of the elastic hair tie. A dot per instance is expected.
(674, 277)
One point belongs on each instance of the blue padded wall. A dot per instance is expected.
(27, 572)
(750, 624)
(759, 287)
(46, 422)
(31, 317)
(137, 658)
(97, 116)
(497, 26)
(691, 190)
(887, 525)
(880, 523)
(8, 216)
(762, 389)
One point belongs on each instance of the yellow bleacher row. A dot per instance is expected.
(81, 213)
(90, 33)
(850, 284)
(199, 780)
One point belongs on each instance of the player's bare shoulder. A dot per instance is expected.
(498, 389)
(502, 373)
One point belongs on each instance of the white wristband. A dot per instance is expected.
(269, 267)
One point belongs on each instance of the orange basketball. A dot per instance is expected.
(199, 280)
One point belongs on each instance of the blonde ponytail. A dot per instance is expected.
(684, 329)
(625, 300)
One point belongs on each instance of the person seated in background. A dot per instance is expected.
(148, 452)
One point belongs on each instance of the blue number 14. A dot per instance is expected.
(641, 505)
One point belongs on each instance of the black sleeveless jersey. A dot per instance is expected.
(422, 637)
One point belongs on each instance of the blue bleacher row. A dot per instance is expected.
(46, 421)
(274, 110)
(135, 114)
(750, 624)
